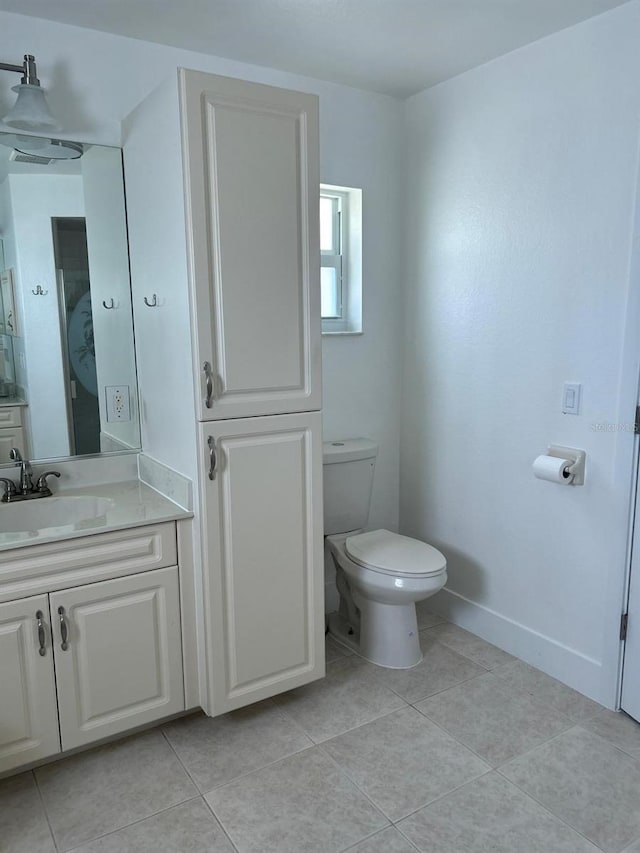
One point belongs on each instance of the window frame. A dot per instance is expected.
(347, 261)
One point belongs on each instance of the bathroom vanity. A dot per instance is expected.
(120, 609)
(90, 622)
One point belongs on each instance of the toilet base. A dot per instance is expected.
(388, 634)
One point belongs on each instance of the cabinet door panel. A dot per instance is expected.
(12, 437)
(28, 711)
(263, 557)
(123, 664)
(251, 160)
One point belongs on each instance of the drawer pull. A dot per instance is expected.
(213, 460)
(208, 401)
(64, 633)
(42, 637)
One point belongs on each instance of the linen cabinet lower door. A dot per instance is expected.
(262, 532)
(28, 712)
(118, 654)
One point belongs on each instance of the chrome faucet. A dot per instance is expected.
(24, 489)
(26, 471)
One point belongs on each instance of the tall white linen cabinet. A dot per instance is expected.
(234, 166)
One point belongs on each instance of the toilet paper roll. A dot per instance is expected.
(553, 469)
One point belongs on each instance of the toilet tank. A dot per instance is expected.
(348, 466)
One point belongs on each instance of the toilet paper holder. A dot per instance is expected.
(576, 457)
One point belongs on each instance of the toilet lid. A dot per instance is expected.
(394, 554)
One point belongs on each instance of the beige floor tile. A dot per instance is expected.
(23, 824)
(349, 696)
(334, 650)
(440, 669)
(187, 828)
(216, 750)
(303, 803)
(426, 617)
(496, 721)
(490, 815)
(403, 761)
(617, 728)
(588, 783)
(387, 841)
(548, 690)
(470, 646)
(102, 790)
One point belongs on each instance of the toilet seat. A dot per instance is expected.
(392, 554)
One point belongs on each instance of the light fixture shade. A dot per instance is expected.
(31, 110)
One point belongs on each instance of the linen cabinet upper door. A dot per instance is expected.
(252, 184)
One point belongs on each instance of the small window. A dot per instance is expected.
(341, 260)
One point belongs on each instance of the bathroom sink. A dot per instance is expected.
(82, 512)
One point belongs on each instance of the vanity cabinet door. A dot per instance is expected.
(263, 556)
(28, 712)
(118, 654)
(252, 185)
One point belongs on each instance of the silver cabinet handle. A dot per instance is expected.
(42, 637)
(64, 633)
(213, 459)
(208, 400)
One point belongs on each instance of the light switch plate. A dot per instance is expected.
(571, 394)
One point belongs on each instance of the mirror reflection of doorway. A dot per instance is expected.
(76, 322)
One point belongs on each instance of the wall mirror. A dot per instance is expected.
(67, 361)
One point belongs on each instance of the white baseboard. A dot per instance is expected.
(557, 660)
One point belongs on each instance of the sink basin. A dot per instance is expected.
(78, 513)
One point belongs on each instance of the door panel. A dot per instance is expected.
(123, 663)
(251, 161)
(263, 541)
(28, 711)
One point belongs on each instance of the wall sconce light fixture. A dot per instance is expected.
(31, 110)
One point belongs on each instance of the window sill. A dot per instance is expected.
(342, 334)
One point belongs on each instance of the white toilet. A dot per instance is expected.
(380, 575)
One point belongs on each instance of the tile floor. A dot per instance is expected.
(471, 751)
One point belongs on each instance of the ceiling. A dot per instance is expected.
(397, 47)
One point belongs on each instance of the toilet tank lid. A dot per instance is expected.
(348, 450)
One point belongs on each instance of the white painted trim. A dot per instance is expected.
(562, 662)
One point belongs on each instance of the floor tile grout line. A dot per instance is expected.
(221, 825)
(129, 825)
(550, 811)
(44, 810)
(419, 808)
(180, 761)
(356, 844)
(374, 805)
(482, 757)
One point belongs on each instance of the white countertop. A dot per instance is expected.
(132, 504)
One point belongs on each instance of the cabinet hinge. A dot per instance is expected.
(624, 623)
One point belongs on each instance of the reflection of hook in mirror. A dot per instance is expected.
(109, 307)
(39, 291)
(153, 304)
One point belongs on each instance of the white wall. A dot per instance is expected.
(35, 199)
(96, 80)
(520, 215)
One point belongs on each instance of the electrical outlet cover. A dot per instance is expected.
(118, 405)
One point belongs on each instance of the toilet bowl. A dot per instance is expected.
(380, 575)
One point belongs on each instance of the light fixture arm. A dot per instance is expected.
(27, 69)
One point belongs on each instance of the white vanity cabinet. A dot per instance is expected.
(252, 189)
(87, 661)
(263, 504)
(28, 711)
